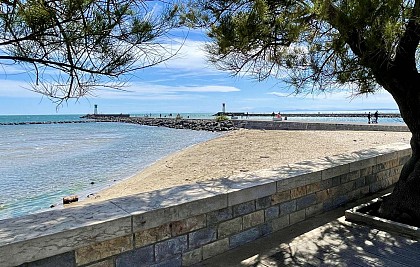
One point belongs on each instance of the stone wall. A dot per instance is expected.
(317, 126)
(187, 224)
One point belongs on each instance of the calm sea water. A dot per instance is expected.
(41, 163)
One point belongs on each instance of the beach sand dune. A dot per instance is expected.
(244, 151)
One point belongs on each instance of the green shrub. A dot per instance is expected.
(222, 118)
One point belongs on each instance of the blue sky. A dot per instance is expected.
(185, 84)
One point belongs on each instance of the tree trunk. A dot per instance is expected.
(404, 203)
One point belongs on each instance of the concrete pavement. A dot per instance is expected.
(325, 240)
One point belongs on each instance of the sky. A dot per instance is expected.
(185, 84)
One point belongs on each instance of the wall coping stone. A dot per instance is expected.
(49, 233)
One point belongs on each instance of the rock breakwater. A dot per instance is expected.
(41, 122)
(191, 124)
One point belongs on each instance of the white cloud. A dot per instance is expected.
(334, 95)
(12, 69)
(190, 57)
(153, 91)
(207, 89)
(13, 88)
(188, 66)
(156, 89)
(336, 100)
(279, 94)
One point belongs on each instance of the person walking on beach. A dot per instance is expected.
(369, 116)
(376, 116)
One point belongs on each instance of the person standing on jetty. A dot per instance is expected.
(369, 116)
(376, 115)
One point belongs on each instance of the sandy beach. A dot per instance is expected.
(245, 151)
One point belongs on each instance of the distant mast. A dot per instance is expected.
(95, 109)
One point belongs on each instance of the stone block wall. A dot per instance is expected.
(316, 126)
(184, 225)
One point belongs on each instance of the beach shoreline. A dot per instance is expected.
(243, 151)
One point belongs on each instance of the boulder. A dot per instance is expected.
(70, 199)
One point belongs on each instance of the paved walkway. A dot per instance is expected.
(326, 240)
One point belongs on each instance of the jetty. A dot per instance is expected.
(326, 115)
(228, 125)
(177, 123)
(44, 122)
(99, 116)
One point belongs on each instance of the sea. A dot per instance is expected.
(42, 163)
